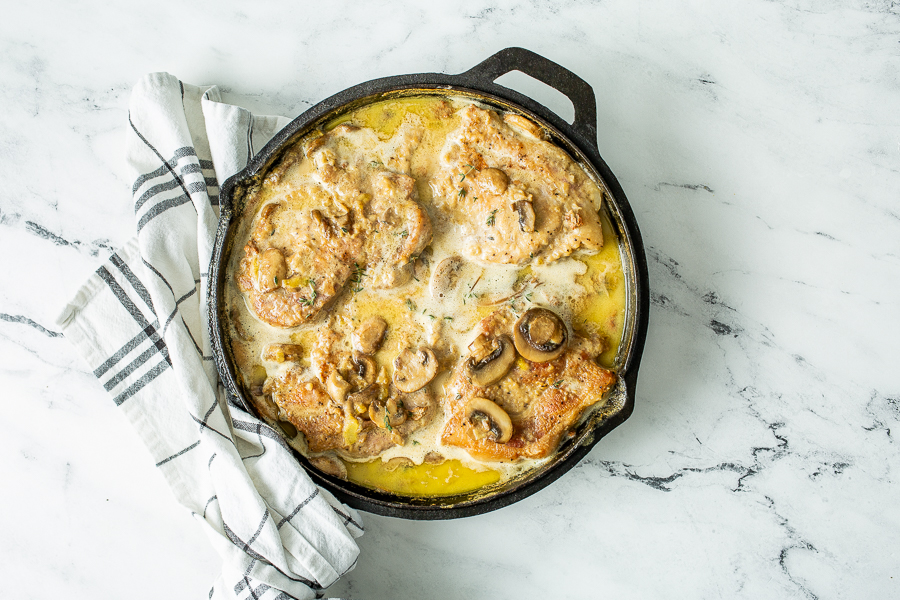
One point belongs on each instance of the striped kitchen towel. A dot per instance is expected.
(141, 324)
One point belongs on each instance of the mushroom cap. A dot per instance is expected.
(540, 335)
(500, 425)
(489, 369)
(337, 387)
(414, 369)
(446, 276)
(369, 336)
(362, 371)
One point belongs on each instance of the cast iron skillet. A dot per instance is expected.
(579, 139)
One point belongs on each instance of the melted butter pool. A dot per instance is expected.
(449, 478)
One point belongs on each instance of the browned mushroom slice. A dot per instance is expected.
(369, 336)
(283, 352)
(490, 359)
(360, 401)
(337, 387)
(524, 125)
(363, 371)
(387, 415)
(488, 421)
(413, 370)
(540, 335)
(446, 276)
(526, 215)
(397, 462)
(258, 377)
(332, 466)
(433, 458)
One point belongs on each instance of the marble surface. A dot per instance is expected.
(759, 145)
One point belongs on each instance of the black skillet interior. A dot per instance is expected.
(579, 139)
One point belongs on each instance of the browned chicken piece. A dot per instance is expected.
(315, 278)
(305, 404)
(529, 408)
(516, 196)
(299, 258)
(375, 414)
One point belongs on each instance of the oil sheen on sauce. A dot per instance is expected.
(593, 287)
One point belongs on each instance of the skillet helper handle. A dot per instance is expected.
(545, 70)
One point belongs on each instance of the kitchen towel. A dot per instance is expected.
(141, 324)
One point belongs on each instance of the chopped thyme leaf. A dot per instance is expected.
(344, 229)
(463, 176)
(276, 280)
(448, 318)
(358, 274)
(410, 305)
(415, 442)
(387, 422)
(461, 193)
(490, 219)
(557, 383)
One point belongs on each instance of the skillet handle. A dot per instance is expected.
(545, 70)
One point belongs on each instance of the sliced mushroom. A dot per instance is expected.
(396, 411)
(272, 269)
(360, 401)
(288, 428)
(540, 335)
(266, 227)
(446, 276)
(488, 421)
(413, 370)
(369, 336)
(397, 462)
(258, 377)
(363, 371)
(283, 352)
(493, 180)
(332, 466)
(491, 359)
(337, 387)
(387, 415)
(433, 458)
(526, 215)
(524, 125)
(420, 405)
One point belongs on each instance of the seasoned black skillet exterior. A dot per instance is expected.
(579, 139)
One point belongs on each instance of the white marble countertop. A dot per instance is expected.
(759, 145)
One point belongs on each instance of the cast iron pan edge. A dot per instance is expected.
(582, 133)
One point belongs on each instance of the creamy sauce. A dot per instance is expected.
(588, 291)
